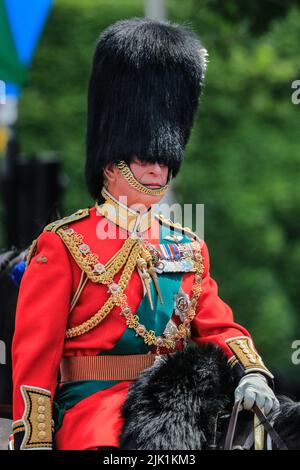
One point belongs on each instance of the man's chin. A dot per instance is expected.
(147, 199)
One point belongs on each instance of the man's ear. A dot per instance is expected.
(110, 172)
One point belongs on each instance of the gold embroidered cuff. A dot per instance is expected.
(244, 352)
(36, 423)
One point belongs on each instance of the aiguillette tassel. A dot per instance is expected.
(146, 277)
(153, 274)
(141, 263)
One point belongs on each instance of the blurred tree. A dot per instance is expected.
(244, 165)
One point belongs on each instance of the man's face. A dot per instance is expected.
(152, 175)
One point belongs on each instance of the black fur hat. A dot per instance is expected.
(145, 82)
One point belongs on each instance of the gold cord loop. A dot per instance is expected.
(130, 178)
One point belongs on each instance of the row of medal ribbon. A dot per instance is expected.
(173, 257)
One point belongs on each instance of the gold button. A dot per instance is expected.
(42, 434)
(41, 401)
(41, 409)
(253, 361)
(41, 426)
(41, 418)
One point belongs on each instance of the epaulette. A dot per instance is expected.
(54, 226)
(176, 226)
(31, 252)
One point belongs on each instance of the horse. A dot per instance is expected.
(184, 402)
(11, 266)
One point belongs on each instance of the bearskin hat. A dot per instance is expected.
(146, 78)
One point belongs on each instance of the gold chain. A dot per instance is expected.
(115, 299)
(183, 332)
(128, 175)
(88, 261)
(132, 250)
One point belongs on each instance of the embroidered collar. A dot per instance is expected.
(122, 215)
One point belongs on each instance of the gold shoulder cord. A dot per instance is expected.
(90, 263)
(53, 227)
(117, 297)
(177, 226)
(31, 252)
(56, 224)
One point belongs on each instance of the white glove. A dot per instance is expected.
(253, 388)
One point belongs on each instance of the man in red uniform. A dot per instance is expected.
(113, 286)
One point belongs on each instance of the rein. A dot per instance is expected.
(263, 420)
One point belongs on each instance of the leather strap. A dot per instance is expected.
(269, 428)
(104, 367)
(264, 421)
(232, 426)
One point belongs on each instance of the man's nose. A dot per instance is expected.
(155, 169)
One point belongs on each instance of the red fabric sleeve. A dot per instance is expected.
(41, 319)
(214, 318)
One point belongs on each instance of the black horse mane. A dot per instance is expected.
(183, 403)
(13, 255)
(287, 422)
(7, 256)
(10, 278)
(176, 403)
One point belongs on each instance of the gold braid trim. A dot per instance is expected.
(243, 349)
(128, 175)
(37, 418)
(118, 298)
(18, 426)
(31, 252)
(176, 226)
(56, 224)
(87, 262)
(170, 340)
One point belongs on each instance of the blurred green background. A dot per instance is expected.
(242, 160)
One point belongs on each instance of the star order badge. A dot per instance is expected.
(181, 304)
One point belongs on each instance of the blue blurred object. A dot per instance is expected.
(17, 272)
(12, 90)
(26, 22)
(22, 24)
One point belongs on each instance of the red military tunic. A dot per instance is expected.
(48, 289)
